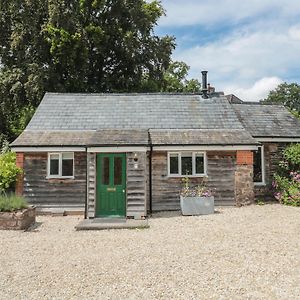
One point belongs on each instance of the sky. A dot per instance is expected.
(248, 47)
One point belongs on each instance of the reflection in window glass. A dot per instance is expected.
(186, 164)
(54, 164)
(118, 170)
(67, 167)
(257, 166)
(174, 164)
(199, 164)
(105, 170)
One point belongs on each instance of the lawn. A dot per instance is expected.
(237, 253)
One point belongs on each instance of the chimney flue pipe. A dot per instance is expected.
(204, 84)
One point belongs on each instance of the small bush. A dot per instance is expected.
(9, 203)
(8, 170)
(287, 180)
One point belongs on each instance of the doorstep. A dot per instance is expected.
(111, 223)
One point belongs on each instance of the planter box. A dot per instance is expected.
(17, 220)
(193, 206)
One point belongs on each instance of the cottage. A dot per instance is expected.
(126, 154)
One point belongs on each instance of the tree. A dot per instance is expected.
(81, 46)
(287, 95)
(175, 79)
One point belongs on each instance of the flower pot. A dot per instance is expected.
(18, 220)
(193, 206)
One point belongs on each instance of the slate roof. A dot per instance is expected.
(82, 138)
(162, 119)
(267, 120)
(201, 136)
(132, 111)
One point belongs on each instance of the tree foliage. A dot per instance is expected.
(287, 178)
(81, 46)
(287, 95)
(8, 170)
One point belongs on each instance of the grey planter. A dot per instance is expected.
(193, 206)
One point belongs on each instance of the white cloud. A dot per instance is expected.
(258, 91)
(244, 58)
(209, 12)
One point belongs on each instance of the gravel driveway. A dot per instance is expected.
(238, 253)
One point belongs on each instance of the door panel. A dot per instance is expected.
(111, 185)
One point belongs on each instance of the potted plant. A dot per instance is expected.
(15, 213)
(197, 200)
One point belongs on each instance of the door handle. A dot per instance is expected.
(123, 191)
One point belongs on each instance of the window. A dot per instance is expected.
(259, 166)
(61, 165)
(186, 164)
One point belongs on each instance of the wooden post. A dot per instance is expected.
(20, 178)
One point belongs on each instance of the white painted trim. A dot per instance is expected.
(48, 149)
(279, 140)
(59, 176)
(193, 165)
(204, 148)
(263, 169)
(118, 149)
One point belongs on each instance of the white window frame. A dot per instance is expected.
(194, 174)
(263, 171)
(59, 165)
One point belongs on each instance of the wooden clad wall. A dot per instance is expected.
(91, 184)
(136, 185)
(220, 169)
(62, 194)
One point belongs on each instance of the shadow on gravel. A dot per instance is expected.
(173, 214)
(34, 227)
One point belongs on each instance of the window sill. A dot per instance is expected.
(58, 177)
(260, 184)
(189, 176)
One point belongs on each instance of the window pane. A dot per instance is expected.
(54, 164)
(67, 167)
(186, 164)
(118, 170)
(174, 164)
(257, 165)
(199, 164)
(67, 155)
(105, 170)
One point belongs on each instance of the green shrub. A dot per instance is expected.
(8, 170)
(12, 202)
(287, 180)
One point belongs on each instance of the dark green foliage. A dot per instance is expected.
(11, 202)
(287, 179)
(80, 46)
(287, 95)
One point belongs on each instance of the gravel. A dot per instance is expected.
(237, 253)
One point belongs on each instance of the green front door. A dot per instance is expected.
(111, 185)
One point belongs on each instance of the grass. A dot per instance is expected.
(11, 202)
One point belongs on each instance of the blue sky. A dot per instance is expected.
(248, 46)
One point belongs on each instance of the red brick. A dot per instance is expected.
(244, 157)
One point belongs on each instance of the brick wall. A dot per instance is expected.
(244, 158)
(244, 186)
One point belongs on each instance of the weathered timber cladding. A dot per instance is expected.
(273, 155)
(91, 184)
(52, 193)
(136, 185)
(220, 170)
